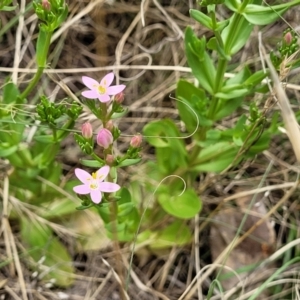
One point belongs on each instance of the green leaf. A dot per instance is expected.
(201, 18)
(91, 163)
(213, 44)
(41, 243)
(42, 47)
(48, 155)
(199, 60)
(233, 4)
(170, 149)
(239, 78)
(10, 92)
(119, 115)
(6, 149)
(221, 25)
(125, 209)
(129, 162)
(228, 108)
(112, 227)
(8, 8)
(215, 166)
(261, 15)
(214, 151)
(232, 91)
(183, 206)
(195, 100)
(47, 139)
(124, 195)
(58, 208)
(176, 234)
(256, 78)
(236, 37)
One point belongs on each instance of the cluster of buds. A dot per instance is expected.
(51, 12)
(105, 139)
(285, 48)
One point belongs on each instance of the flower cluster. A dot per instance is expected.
(110, 99)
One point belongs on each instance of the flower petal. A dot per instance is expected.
(107, 79)
(82, 175)
(102, 173)
(96, 196)
(103, 98)
(89, 82)
(90, 94)
(81, 189)
(115, 89)
(108, 187)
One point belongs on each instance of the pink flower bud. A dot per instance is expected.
(109, 125)
(136, 141)
(104, 138)
(87, 130)
(119, 98)
(46, 4)
(288, 38)
(109, 159)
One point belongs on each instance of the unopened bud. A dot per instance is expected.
(109, 159)
(119, 98)
(46, 4)
(104, 138)
(109, 125)
(136, 141)
(288, 38)
(87, 130)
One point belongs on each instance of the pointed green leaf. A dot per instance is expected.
(260, 15)
(201, 18)
(91, 163)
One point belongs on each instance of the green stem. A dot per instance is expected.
(219, 81)
(64, 131)
(54, 133)
(42, 52)
(96, 157)
(104, 117)
(32, 83)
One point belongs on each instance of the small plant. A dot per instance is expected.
(156, 210)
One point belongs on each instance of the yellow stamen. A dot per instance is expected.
(93, 186)
(101, 89)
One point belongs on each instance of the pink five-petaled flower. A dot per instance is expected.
(102, 90)
(93, 184)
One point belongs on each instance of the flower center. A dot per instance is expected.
(101, 89)
(94, 185)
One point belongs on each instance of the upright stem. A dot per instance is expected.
(43, 44)
(114, 220)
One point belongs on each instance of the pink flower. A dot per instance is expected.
(101, 90)
(104, 138)
(93, 184)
